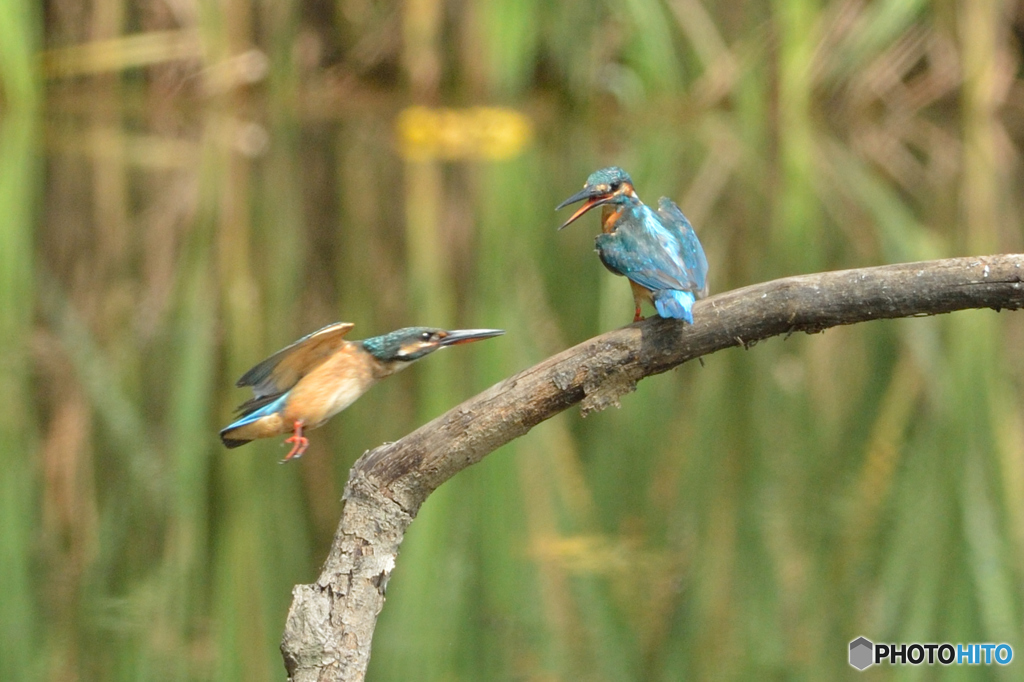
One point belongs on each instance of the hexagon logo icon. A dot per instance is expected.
(861, 650)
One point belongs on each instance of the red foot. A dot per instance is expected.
(637, 316)
(301, 443)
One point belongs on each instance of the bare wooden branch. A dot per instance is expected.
(331, 622)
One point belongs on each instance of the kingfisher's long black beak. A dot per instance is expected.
(594, 197)
(457, 336)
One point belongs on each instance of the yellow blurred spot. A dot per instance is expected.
(489, 133)
(594, 554)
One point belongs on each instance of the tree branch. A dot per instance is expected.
(331, 622)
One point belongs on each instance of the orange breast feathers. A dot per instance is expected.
(330, 388)
(641, 293)
(609, 215)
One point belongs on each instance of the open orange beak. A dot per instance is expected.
(593, 199)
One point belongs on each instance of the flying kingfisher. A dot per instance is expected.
(657, 250)
(303, 385)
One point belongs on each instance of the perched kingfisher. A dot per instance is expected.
(302, 386)
(657, 250)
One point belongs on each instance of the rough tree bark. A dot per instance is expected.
(331, 622)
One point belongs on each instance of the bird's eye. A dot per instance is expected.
(616, 185)
(425, 336)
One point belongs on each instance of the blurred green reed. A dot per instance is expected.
(19, 42)
(21, 624)
(739, 519)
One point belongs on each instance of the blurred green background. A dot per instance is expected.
(187, 186)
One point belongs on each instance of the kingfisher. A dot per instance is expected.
(658, 251)
(303, 385)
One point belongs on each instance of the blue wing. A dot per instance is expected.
(657, 251)
(694, 260)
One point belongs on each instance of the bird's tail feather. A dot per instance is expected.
(674, 304)
(234, 434)
(231, 442)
